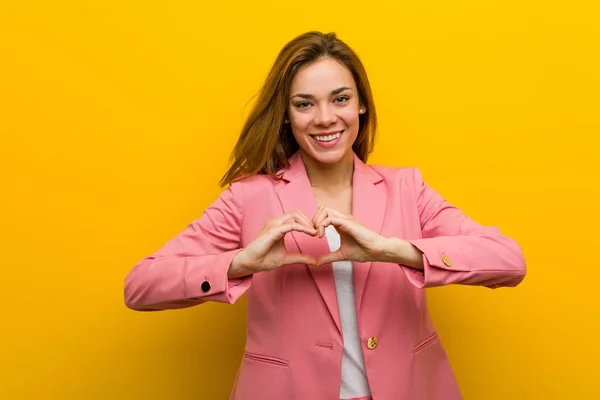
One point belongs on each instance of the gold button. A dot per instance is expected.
(447, 261)
(372, 343)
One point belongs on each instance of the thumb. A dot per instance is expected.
(330, 257)
(300, 258)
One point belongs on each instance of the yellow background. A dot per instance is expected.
(116, 122)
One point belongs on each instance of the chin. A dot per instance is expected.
(329, 157)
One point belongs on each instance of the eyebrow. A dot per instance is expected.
(333, 93)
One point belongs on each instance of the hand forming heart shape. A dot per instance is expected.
(267, 251)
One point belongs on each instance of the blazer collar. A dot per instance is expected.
(297, 169)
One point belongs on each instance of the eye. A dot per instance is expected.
(341, 99)
(303, 104)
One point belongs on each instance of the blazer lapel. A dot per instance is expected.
(368, 209)
(297, 194)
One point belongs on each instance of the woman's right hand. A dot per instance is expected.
(267, 251)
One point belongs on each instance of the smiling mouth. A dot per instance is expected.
(329, 137)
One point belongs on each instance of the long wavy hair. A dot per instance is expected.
(266, 142)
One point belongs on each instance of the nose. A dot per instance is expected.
(324, 116)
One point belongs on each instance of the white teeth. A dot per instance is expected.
(328, 138)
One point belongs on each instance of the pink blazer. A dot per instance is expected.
(294, 341)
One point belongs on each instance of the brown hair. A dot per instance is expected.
(266, 143)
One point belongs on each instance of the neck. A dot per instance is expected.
(327, 176)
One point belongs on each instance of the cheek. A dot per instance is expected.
(300, 123)
(351, 118)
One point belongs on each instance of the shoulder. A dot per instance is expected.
(398, 175)
(257, 180)
(252, 186)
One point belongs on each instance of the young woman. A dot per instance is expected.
(333, 254)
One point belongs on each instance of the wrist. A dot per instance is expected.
(392, 249)
(239, 267)
(402, 252)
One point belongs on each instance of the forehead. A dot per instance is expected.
(321, 77)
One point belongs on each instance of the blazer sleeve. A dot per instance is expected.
(192, 267)
(458, 250)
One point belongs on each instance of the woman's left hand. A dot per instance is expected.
(358, 243)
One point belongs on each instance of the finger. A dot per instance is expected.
(344, 225)
(284, 219)
(317, 214)
(301, 217)
(293, 226)
(330, 257)
(323, 214)
(327, 212)
(336, 222)
(324, 222)
(299, 258)
(295, 216)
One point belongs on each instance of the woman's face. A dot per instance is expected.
(324, 109)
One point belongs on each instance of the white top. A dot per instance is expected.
(354, 378)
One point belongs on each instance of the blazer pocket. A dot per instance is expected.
(263, 377)
(266, 359)
(428, 341)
